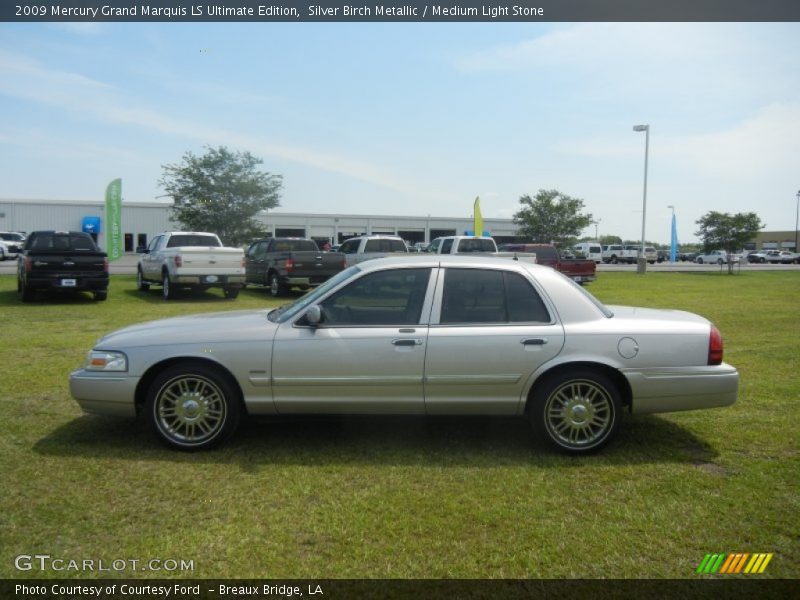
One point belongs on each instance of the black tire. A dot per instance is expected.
(141, 284)
(25, 293)
(231, 292)
(276, 288)
(2, 254)
(699, 261)
(719, 261)
(576, 411)
(614, 259)
(192, 406)
(169, 292)
(100, 295)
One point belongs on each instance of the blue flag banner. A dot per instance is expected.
(673, 244)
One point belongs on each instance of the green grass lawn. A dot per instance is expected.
(411, 498)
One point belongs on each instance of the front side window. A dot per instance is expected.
(490, 296)
(392, 297)
(349, 247)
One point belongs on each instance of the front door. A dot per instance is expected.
(367, 354)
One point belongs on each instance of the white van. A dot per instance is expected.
(591, 250)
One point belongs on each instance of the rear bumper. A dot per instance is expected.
(674, 389)
(216, 280)
(110, 394)
(62, 282)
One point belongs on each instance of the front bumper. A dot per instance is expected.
(110, 394)
(673, 389)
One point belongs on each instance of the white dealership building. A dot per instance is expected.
(142, 220)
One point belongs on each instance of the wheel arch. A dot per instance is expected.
(150, 375)
(614, 374)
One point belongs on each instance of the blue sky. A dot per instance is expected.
(416, 118)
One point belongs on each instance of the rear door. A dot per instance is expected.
(255, 263)
(490, 330)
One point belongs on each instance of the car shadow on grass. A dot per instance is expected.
(390, 441)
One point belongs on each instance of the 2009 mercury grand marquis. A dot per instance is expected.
(414, 335)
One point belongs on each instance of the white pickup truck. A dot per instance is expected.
(367, 247)
(190, 259)
(470, 244)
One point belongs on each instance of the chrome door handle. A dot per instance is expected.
(407, 342)
(533, 341)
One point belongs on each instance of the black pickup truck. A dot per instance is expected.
(61, 261)
(282, 263)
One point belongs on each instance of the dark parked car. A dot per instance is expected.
(61, 261)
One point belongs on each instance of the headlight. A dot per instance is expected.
(98, 360)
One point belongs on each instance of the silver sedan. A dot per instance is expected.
(420, 334)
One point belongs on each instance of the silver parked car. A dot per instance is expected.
(422, 334)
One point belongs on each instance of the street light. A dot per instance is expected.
(596, 223)
(796, 218)
(642, 263)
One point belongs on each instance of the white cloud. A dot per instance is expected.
(27, 79)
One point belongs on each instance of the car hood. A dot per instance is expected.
(234, 326)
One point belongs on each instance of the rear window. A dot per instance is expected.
(77, 242)
(476, 245)
(385, 245)
(296, 246)
(192, 240)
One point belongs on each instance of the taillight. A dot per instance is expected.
(178, 260)
(28, 264)
(344, 263)
(715, 347)
(243, 262)
(290, 265)
(105, 264)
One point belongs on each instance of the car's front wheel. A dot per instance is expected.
(192, 406)
(576, 412)
(141, 284)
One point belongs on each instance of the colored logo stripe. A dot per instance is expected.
(734, 563)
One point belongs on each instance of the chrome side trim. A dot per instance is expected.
(472, 379)
(365, 380)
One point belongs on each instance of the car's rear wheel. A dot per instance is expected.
(25, 293)
(576, 412)
(231, 292)
(100, 295)
(168, 291)
(193, 407)
(276, 288)
(699, 261)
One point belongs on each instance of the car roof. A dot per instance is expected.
(444, 260)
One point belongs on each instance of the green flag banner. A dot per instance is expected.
(114, 220)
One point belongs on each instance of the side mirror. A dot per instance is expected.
(314, 315)
(141, 249)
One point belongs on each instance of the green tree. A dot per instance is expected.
(727, 232)
(221, 192)
(551, 217)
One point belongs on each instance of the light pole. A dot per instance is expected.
(796, 219)
(596, 223)
(642, 262)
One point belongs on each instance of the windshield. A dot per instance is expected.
(288, 311)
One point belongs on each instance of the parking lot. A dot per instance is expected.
(127, 266)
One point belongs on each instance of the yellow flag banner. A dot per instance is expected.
(477, 225)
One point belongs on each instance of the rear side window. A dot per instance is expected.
(490, 296)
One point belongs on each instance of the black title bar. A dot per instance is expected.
(409, 11)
